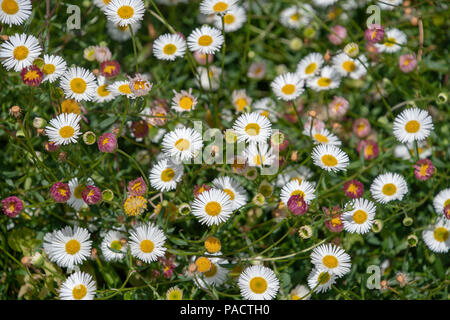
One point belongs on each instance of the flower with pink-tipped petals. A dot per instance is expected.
(369, 147)
(338, 107)
(374, 33)
(12, 206)
(91, 194)
(107, 142)
(424, 169)
(407, 62)
(297, 205)
(60, 192)
(337, 35)
(334, 222)
(137, 187)
(361, 127)
(353, 189)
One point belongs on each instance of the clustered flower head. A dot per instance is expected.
(12, 206)
(424, 169)
(91, 194)
(107, 142)
(60, 192)
(297, 205)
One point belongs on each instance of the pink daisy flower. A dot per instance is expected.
(407, 62)
(334, 222)
(369, 147)
(12, 206)
(137, 187)
(374, 33)
(297, 205)
(91, 194)
(107, 142)
(353, 189)
(60, 192)
(424, 169)
(361, 127)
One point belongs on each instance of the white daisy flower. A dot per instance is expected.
(310, 65)
(395, 39)
(291, 173)
(441, 200)
(389, 4)
(404, 151)
(78, 286)
(320, 280)
(295, 17)
(266, 107)
(206, 39)
(125, 12)
(19, 51)
(112, 240)
(182, 143)
(121, 88)
(102, 94)
(252, 127)
(208, 80)
(169, 47)
(412, 124)
(147, 242)
(68, 247)
(231, 187)
(259, 154)
(165, 175)
(102, 4)
(241, 101)
(324, 3)
(388, 187)
(331, 258)
(300, 292)
(294, 187)
(213, 206)
(436, 237)
(323, 136)
(78, 83)
(54, 67)
(349, 67)
(288, 86)
(330, 158)
(216, 276)
(360, 218)
(119, 33)
(216, 6)
(76, 200)
(64, 129)
(184, 101)
(258, 283)
(14, 11)
(328, 79)
(233, 20)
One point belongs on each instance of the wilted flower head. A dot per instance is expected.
(15, 111)
(107, 142)
(338, 107)
(51, 146)
(137, 187)
(91, 194)
(109, 69)
(158, 112)
(12, 206)
(32, 76)
(139, 129)
(334, 222)
(60, 192)
(374, 33)
(353, 189)
(140, 85)
(407, 62)
(424, 169)
(361, 127)
(337, 35)
(369, 147)
(102, 54)
(297, 205)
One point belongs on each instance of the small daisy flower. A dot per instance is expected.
(206, 39)
(388, 187)
(310, 65)
(361, 127)
(78, 286)
(32, 76)
(320, 280)
(436, 237)
(349, 67)
(266, 107)
(424, 169)
(60, 192)
(231, 187)
(78, 83)
(102, 54)
(407, 62)
(337, 35)
(165, 175)
(395, 39)
(19, 51)
(121, 88)
(113, 247)
(121, 33)
(331, 258)
(216, 6)
(212, 207)
(360, 219)
(369, 148)
(258, 283)
(137, 187)
(252, 127)
(12, 206)
(374, 33)
(338, 107)
(295, 17)
(91, 195)
(328, 79)
(14, 12)
(139, 85)
(297, 205)
(257, 70)
(288, 86)
(174, 293)
(64, 129)
(184, 101)
(353, 189)
(125, 12)
(102, 94)
(412, 124)
(212, 244)
(54, 67)
(68, 247)
(240, 100)
(107, 142)
(182, 143)
(134, 205)
(294, 187)
(233, 19)
(76, 198)
(334, 220)
(216, 274)
(147, 242)
(300, 292)
(109, 69)
(330, 158)
(441, 200)
(323, 137)
(169, 47)
(259, 154)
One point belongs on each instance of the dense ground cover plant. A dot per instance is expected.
(217, 149)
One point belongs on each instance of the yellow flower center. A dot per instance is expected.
(389, 189)
(330, 261)
(62, 191)
(147, 246)
(390, 42)
(186, 103)
(170, 49)
(10, 7)
(78, 85)
(102, 91)
(125, 12)
(70, 106)
(213, 245)
(229, 192)
(49, 69)
(241, 104)
(311, 68)
(66, 132)
(182, 144)
(295, 297)
(31, 75)
(349, 66)
(78, 190)
(79, 291)
(212, 272)
(125, 89)
(323, 278)
(205, 40)
(116, 245)
(412, 126)
(321, 138)
(352, 188)
(72, 246)
(447, 202)
(252, 129)
(324, 82)
(298, 192)
(295, 17)
(288, 89)
(213, 208)
(329, 160)
(203, 264)
(336, 221)
(167, 175)
(265, 114)
(220, 6)
(441, 234)
(109, 69)
(20, 53)
(423, 170)
(258, 285)
(174, 295)
(229, 18)
(360, 216)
